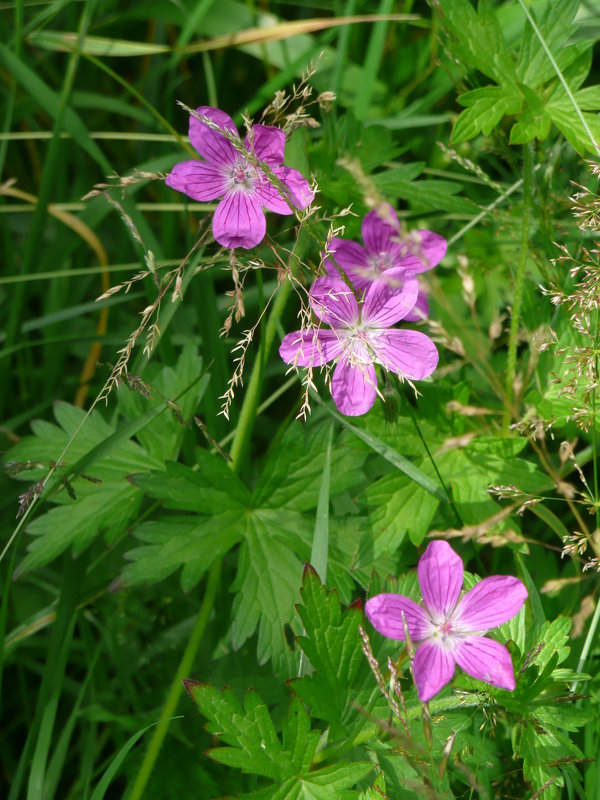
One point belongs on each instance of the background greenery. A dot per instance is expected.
(150, 557)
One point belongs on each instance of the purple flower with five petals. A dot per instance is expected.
(449, 628)
(387, 255)
(227, 172)
(360, 336)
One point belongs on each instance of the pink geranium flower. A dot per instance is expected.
(238, 178)
(387, 255)
(359, 337)
(449, 628)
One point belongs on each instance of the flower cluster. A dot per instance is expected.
(382, 289)
(449, 629)
(366, 289)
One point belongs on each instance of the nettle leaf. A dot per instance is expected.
(485, 109)
(332, 644)
(254, 746)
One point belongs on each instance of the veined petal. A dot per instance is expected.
(212, 145)
(486, 660)
(301, 194)
(378, 228)
(269, 144)
(424, 253)
(198, 179)
(433, 668)
(420, 310)
(440, 572)
(333, 302)
(352, 258)
(386, 304)
(385, 615)
(490, 603)
(410, 354)
(353, 387)
(310, 348)
(239, 221)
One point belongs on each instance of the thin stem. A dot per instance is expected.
(519, 283)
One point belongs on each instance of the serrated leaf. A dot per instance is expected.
(485, 109)
(212, 487)
(192, 543)
(555, 26)
(332, 645)
(398, 507)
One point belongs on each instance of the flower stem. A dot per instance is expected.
(519, 283)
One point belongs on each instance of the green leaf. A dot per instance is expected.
(267, 586)
(556, 27)
(398, 507)
(485, 109)
(190, 542)
(253, 745)
(476, 38)
(332, 645)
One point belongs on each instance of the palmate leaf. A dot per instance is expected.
(253, 745)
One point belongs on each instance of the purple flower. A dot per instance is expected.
(360, 336)
(450, 629)
(226, 172)
(387, 255)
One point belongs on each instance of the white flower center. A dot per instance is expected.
(380, 262)
(241, 175)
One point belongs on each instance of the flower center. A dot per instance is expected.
(242, 175)
(379, 262)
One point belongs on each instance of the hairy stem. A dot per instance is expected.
(519, 283)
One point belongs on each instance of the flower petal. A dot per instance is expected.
(486, 660)
(386, 303)
(296, 194)
(433, 668)
(377, 229)
(353, 387)
(352, 258)
(410, 354)
(424, 253)
(385, 615)
(310, 348)
(440, 572)
(333, 302)
(420, 310)
(198, 179)
(212, 145)
(269, 143)
(239, 221)
(490, 603)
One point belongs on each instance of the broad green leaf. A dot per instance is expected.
(556, 27)
(485, 108)
(267, 586)
(211, 488)
(192, 543)
(477, 38)
(398, 507)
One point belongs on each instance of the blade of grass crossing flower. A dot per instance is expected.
(373, 59)
(387, 452)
